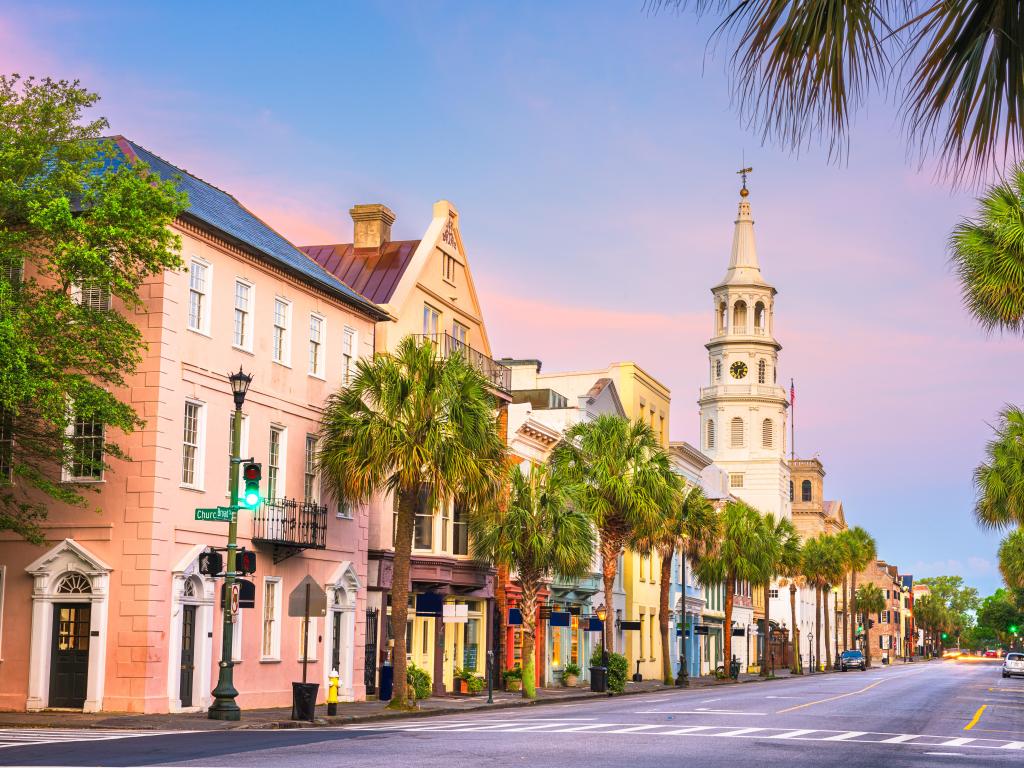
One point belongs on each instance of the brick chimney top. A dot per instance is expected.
(372, 225)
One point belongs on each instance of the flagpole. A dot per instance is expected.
(792, 421)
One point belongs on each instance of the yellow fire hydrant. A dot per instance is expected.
(332, 692)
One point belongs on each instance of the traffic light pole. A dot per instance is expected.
(224, 706)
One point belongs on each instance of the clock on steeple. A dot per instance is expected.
(738, 369)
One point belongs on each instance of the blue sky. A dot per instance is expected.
(590, 149)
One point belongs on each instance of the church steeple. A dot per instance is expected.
(743, 266)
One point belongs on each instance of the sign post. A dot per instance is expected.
(307, 599)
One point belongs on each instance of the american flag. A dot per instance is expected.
(792, 394)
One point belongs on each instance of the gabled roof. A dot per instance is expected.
(371, 272)
(213, 208)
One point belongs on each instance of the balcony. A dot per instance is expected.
(497, 374)
(290, 526)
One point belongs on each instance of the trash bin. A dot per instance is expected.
(885, 659)
(387, 681)
(304, 701)
(734, 668)
(599, 679)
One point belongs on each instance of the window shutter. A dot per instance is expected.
(767, 433)
(711, 433)
(95, 296)
(736, 427)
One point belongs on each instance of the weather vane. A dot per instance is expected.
(743, 173)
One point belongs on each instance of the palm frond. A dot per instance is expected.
(1011, 559)
(999, 480)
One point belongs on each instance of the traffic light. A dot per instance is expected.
(860, 629)
(1013, 629)
(945, 636)
(871, 623)
(252, 474)
(211, 563)
(245, 562)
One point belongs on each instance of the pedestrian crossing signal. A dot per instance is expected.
(252, 473)
(245, 562)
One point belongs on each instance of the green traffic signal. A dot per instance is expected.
(1013, 629)
(945, 636)
(252, 474)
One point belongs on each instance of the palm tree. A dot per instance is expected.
(419, 426)
(860, 551)
(692, 527)
(833, 567)
(618, 472)
(987, 253)
(1011, 559)
(1000, 479)
(801, 70)
(812, 570)
(782, 541)
(790, 567)
(870, 600)
(843, 538)
(741, 556)
(536, 534)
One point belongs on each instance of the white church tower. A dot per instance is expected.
(743, 409)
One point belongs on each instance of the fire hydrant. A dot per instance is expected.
(332, 692)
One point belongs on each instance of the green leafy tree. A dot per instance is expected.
(998, 613)
(422, 427)
(801, 70)
(870, 600)
(536, 534)
(1011, 560)
(619, 477)
(859, 549)
(73, 225)
(781, 551)
(742, 555)
(958, 599)
(691, 526)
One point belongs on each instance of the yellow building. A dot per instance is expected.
(646, 399)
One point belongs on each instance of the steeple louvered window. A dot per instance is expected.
(762, 372)
(736, 432)
(767, 433)
(709, 440)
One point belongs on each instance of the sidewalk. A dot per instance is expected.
(348, 712)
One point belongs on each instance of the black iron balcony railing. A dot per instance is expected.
(291, 524)
(497, 374)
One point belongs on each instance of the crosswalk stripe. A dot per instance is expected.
(899, 739)
(845, 736)
(633, 728)
(574, 728)
(1013, 745)
(739, 731)
(688, 729)
(793, 734)
(959, 741)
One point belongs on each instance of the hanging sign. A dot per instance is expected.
(456, 614)
(560, 619)
(515, 617)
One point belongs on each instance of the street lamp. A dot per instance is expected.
(810, 652)
(224, 706)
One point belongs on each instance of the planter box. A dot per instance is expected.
(513, 685)
(462, 688)
(570, 681)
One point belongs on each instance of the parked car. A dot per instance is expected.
(852, 660)
(1013, 664)
(991, 654)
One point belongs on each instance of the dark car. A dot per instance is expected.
(852, 660)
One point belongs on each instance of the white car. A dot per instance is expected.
(1013, 664)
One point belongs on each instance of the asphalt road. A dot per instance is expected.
(940, 713)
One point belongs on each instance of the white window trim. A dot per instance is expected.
(198, 483)
(204, 325)
(316, 475)
(65, 472)
(321, 373)
(247, 347)
(349, 372)
(286, 359)
(282, 459)
(275, 640)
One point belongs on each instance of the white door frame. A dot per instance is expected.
(342, 590)
(47, 572)
(206, 590)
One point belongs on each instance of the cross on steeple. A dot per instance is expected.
(743, 173)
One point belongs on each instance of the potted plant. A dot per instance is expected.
(467, 684)
(513, 679)
(570, 675)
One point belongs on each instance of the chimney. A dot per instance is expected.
(371, 225)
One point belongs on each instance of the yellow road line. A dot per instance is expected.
(976, 718)
(844, 695)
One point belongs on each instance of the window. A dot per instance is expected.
(718, 370)
(275, 462)
(6, 446)
(722, 315)
(735, 480)
(767, 433)
(309, 485)
(191, 446)
(790, 490)
(282, 318)
(348, 355)
(93, 295)
(739, 317)
(86, 450)
(243, 302)
(459, 333)
(14, 272)
(710, 440)
(423, 532)
(448, 265)
(198, 297)
(643, 627)
(652, 625)
(805, 490)
(762, 371)
(759, 319)
(460, 529)
(773, 593)
(431, 320)
(445, 522)
(736, 430)
(271, 647)
(316, 341)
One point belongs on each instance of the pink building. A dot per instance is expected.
(112, 613)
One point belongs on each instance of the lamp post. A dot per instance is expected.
(602, 614)
(224, 706)
(810, 652)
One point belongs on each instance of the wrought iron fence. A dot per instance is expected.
(447, 345)
(292, 523)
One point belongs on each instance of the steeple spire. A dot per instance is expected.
(743, 265)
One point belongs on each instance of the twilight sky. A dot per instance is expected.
(591, 150)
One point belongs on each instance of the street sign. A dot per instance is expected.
(246, 593)
(317, 599)
(216, 514)
(234, 603)
(456, 614)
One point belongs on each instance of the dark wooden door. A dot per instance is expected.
(188, 653)
(336, 641)
(370, 671)
(69, 657)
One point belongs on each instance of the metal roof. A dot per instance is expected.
(372, 272)
(217, 209)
